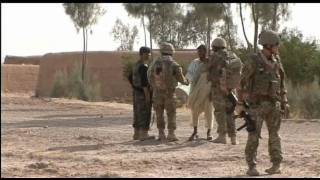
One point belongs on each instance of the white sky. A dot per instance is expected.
(38, 28)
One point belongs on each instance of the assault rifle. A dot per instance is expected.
(249, 122)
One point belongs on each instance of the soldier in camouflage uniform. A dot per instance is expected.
(262, 85)
(163, 76)
(141, 96)
(218, 74)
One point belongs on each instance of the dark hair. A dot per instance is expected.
(202, 47)
(144, 49)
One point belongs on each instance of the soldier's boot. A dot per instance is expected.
(252, 171)
(234, 140)
(209, 136)
(162, 135)
(194, 135)
(144, 135)
(136, 134)
(275, 169)
(221, 139)
(171, 136)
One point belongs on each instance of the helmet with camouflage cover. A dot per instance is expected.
(268, 37)
(219, 42)
(166, 48)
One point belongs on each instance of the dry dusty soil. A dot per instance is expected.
(71, 138)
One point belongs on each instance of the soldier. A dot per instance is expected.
(163, 77)
(141, 96)
(262, 85)
(224, 72)
(199, 98)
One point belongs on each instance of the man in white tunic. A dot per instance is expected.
(199, 97)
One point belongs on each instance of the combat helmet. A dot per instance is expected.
(268, 37)
(167, 48)
(219, 42)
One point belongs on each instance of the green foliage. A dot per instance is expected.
(125, 34)
(71, 85)
(128, 62)
(83, 15)
(301, 59)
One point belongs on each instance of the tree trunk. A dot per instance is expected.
(208, 35)
(244, 31)
(83, 54)
(228, 28)
(255, 16)
(144, 31)
(274, 18)
(150, 24)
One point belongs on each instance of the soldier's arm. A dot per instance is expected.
(283, 90)
(149, 72)
(245, 82)
(179, 76)
(209, 67)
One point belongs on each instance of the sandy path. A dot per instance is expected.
(71, 138)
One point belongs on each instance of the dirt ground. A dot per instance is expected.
(72, 138)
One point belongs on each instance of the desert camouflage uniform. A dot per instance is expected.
(263, 81)
(217, 75)
(166, 99)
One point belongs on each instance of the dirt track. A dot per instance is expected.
(70, 138)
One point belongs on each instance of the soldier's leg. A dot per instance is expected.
(231, 124)
(209, 120)
(273, 123)
(170, 106)
(158, 105)
(219, 105)
(253, 143)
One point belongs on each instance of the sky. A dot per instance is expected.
(29, 29)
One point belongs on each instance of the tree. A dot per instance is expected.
(125, 34)
(228, 30)
(301, 59)
(267, 15)
(249, 45)
(141, 10)
(194, 29)
(84, 15)
(273, 14)
(212, 12)
(168, 24)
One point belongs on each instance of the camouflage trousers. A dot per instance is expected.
(141, 111)
(270, 112)
(163, 100)
(225, 122)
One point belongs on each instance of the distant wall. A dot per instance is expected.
(19, 78)
(105, 66)
(35, 60)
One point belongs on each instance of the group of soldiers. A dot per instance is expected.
(259, 81)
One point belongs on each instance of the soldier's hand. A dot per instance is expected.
(285, 107)
(186, 82)
(148, 100)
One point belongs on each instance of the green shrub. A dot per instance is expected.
(128, 62)
(71, 85)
